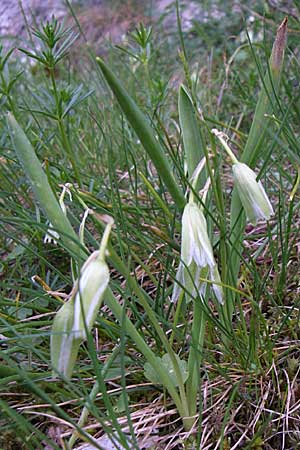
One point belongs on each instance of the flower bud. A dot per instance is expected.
(64, 346)
(92, 283)
(277, 55)
(252, 194)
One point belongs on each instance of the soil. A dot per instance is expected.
(98, 18)
(12, 21)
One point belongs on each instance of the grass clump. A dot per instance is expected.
(191, 340)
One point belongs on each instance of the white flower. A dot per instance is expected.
(76, 317)
(52, 235)
(196, 255)
(252, 194)
(64, 345)
(69, 328)
(93, 281)
(195, 245)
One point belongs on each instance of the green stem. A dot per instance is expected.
(61, 127)
(42, 189)
(52, 76)
(144, 302)
(220, 135)
(104, 241)
(195, 356)
(93, 394)
(83, 416)
(117, 310)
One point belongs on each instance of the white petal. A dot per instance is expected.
(215, 276)
(188, 240)
(179, 281)
(252, 194)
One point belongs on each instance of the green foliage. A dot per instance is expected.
(126, 159)
(167, 365)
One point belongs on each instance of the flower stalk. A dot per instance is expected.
(251, 192)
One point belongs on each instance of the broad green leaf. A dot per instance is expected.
(167, 365)
(254, 144)
(41, 187)
(192, 136)
(266, 99)
(145, 133)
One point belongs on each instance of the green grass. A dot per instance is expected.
(247, 381)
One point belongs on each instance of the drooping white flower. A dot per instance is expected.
(252, 194)
(77, 316)
(195, 241)
(63, 344)
(196, 255)
(93, 281)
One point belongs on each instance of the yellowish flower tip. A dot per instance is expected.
(253, 197)
(277, 55)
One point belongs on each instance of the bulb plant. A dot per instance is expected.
(205, 282)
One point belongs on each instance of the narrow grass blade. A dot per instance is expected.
(42, 189)
(256, 138)
(145, 133)
(266, 98)
(117, 310)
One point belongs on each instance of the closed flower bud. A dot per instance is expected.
(277, 56)
(93, 281)
(252, 194)
(64, 346)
